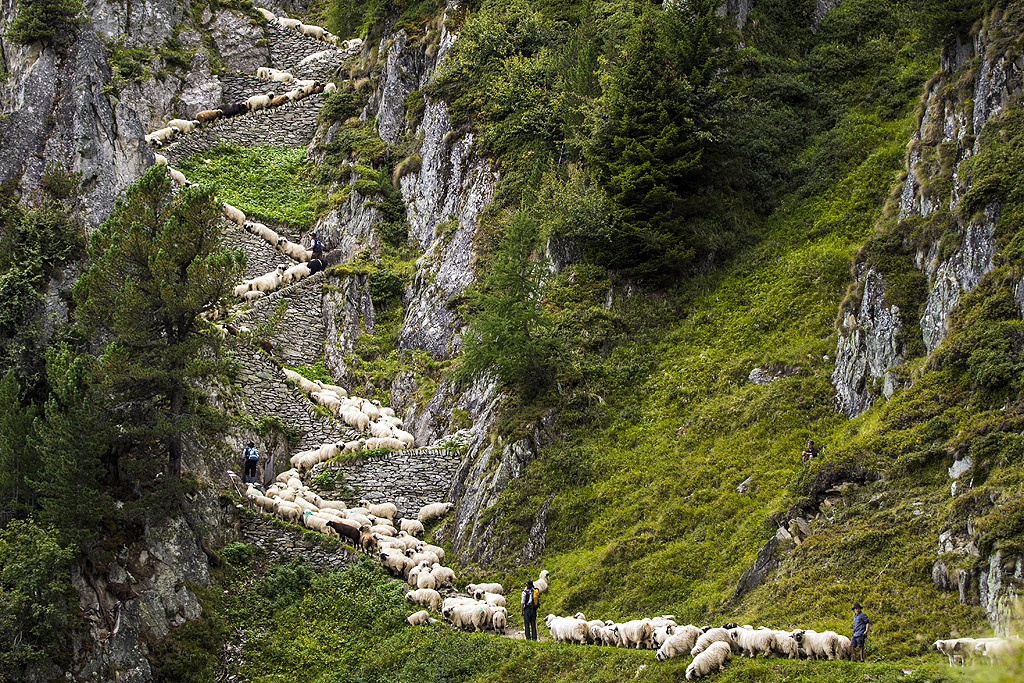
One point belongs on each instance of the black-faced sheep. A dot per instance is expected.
(712, 635)
(209, 115)
(421, 618)
(257, 102)
(183, 125)
(425, 597)
(752, 643)
(233, 214)
(567, 629)
(286, 22)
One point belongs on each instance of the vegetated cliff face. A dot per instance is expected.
(976, 81)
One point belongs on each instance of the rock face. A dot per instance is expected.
(55, 112)
(948, 132)
(869, 347)
(347, 313)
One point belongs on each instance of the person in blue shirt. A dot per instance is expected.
(861, 625)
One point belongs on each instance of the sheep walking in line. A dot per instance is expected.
(183, 126)
(434, 511)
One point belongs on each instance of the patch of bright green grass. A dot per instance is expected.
(269, 184)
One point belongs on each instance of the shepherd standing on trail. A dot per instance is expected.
(528, 606)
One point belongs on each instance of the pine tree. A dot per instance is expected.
(510, 332)
(16, 460)
(157, 263)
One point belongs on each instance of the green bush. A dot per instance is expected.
(48, 21)
(238, 553)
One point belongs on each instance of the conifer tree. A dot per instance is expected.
(158, 262)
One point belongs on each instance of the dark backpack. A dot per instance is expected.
(316, 245)
(532, 598)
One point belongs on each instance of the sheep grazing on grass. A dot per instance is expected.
(752, 643)
(434, 511)
(995, 649)
(785, 645)
(567, 629)
(444, 576)
(636, 634)
(475, 617)
(817, 645)
(209, 115)
(425, 597)
(183, 126)
(713, 635)
(499, 621)
(233, 214)
(680, 643)
(421, 618)
(957, 649)
(710, 660)
(426, 580)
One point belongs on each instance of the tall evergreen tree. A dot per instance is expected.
(158, 262)
(17, 463)
(509, 333)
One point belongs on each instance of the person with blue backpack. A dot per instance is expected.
(251, 456)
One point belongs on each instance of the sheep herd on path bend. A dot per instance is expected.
(372, 528)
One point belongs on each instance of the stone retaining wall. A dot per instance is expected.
(288, 47)
(284, 544)
(298, 339)
(240, 87)
(261, 257)
(409, 479)
(265, 392)
(290, 125)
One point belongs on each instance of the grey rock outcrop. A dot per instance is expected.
(55, 111)
(347, 314)
(869, 347)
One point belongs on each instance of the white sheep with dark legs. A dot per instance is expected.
(752, 643)
(433, 511)
(679, 643)
(421, 618)
(233, 214)
(567, 629)
(183, 125)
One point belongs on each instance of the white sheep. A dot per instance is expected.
(493, 599)
(421, 618)
(541, 583)
(433, 511)
(177, 176)
(785, 645)
(296, 251)
(267, 14)
(817, 645)
(233, 214)
(388, 412)
(296, 273)
(282, 77)
(353, 43)
(160, 137)
(475, 616)
(159, 158)
(499, 621)
(411, 526)
(843, 648)
(182, 125)
(486, 587)
(636, 634)
(268, 282)
(712, 659)
(340, 391)
(425, 597)
(253, 295)
(314, 32)
(356, 420)
(285, 22)
(567, 629)
(753, 643)
(679, 643)
(404, 436)
(316, 56)
(329, 88)
(384, 510)
(713, 635)
(257, 102)
(305, 385)
(444, 576)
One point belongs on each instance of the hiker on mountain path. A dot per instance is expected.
(861, 626)
(251, 456)
(528, 605)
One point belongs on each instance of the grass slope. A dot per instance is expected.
(268, 183)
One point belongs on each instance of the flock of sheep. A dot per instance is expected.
(961, 650)
(360, 414)
(315, 32)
